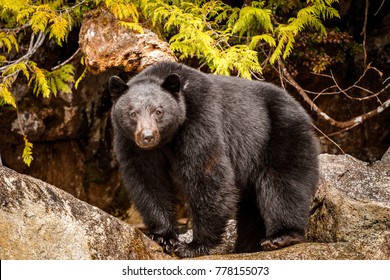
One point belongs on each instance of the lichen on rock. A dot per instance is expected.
(39, 221)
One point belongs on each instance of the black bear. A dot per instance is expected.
(235, 148)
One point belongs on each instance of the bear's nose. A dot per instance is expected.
(147, 136)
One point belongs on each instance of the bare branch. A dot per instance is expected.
(364, 32)
(14, 30)
(66, 61)
(328, 138)
(380, 7)
(336, 89)
(33, 47)
(340, 124)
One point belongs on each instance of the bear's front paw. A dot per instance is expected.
(190, 250)
(167, 243)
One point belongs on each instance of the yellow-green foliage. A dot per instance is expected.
(196, 32)
(229, 40)
(8, 41)
(232, 40)
(308, 17)
(27, 152)
(40, 20)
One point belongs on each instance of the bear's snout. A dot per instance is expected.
(147, 138)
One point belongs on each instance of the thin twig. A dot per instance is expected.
(15, 30)
(328, 138)
(364, 32)
(336, 89)
(359, 87)
(342, 130)
(340, 124)
(380, 7)
(281, 77)
(68, 9)
(66, 61)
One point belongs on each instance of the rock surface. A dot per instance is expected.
(352, 202)
(106, 44)
(39, 221)
(350, 220)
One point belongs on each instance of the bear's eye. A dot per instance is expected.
(133, 115)
(159, 112)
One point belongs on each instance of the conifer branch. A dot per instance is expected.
(33, 47)
(15, 30)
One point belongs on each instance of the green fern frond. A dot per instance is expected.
(40, 18)
(82, 76)
(123, 9)
(308, 17)
(238, 58)
(27, 152)
(21, 66)
(289, 47)
(6, 96)
(56, 4)
(324, 9)
(265, 38)
(59, 29)
(59, 80)
(8, 41)
(41, 85)
(278, 52)
(2, 59)
(255, 18)
(132, 25)
(23, 16)
(14, 6)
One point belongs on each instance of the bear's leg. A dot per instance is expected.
(156, 203)
(151, 189)
(284, 203)
(250, 226)
(212, 199)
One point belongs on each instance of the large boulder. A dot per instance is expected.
(40, 221)
(352, 205)
(107, 44)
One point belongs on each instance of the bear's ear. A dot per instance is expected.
(172, 84)
(117, 87)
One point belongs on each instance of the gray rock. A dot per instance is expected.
(352, 202)
(39, 221)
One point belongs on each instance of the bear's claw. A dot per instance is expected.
(167, 243)
(190, 250)
(281, 241)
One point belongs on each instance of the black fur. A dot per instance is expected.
(235, 148)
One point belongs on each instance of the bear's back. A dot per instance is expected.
(261, 123)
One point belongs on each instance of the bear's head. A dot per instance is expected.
(147, 110)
